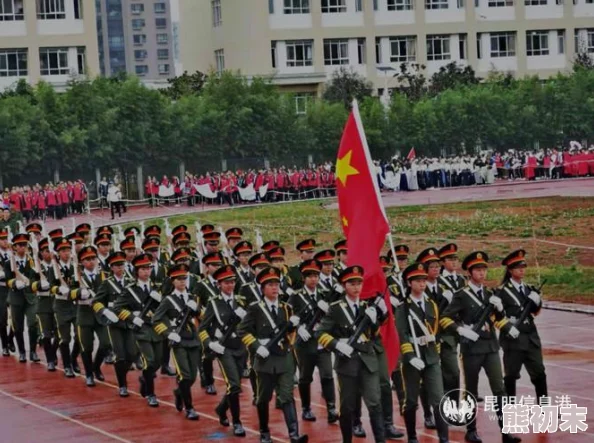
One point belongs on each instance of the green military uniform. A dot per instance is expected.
(4, 263)
(417, 321)
(526, 349)
(45, 315)
(305, 246)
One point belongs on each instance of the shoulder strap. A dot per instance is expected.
(267, 315)
(513, 296)
(472, 296)
(114, 286)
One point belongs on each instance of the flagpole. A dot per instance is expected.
(393, 249)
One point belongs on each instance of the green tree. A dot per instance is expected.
(184, 85)
(346, 85)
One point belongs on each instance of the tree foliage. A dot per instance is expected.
(346, 85)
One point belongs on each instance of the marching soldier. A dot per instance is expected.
(103, 245)
(417, 320)
(449, 274)
(277, 259)
(173, 319)
(270, 244)
(217, 334)
(135, 306)
(328, 284)
(233, 236)
(340, 247)
(84, 230)
(242, 252)
(306, 250)
(251, 291)
(152, 246)
(78, 241)
(128, 247)
(356, 365)
(120, 333)
(89, 281)
(312, 306)
(22, 301)
(4, 263)
(525, 350)
(266, 330)
(480, 349)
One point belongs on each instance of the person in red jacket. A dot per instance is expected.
(78, 198)
(52, 202)
(41, 205)
(27, 202)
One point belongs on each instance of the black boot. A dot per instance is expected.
(33, 342)
(221, 411)
(305, 394)
(121, 368)
(186, 394)
(333, 415)
(49, 351)
(34, 357)
(410, 422)
(441, 426)
(510, 386)
(377, 426)
(233, 401)
(540, 385)
(99, 357)
(263, 421)
(290, 414)
(87, 360)
(179, 401)
(74, 356)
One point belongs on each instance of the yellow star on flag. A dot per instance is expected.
(345, 221)
(344, 168)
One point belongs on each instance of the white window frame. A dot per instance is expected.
(334, 6)
(436, 4)
(535, 2)
(163, 54)
(217, 13)
(136, 8)
(140, 54)
(162, 40)
(441, 42)
(10, 13)
(296, 7)
(61, 57)
(590, 41)
(302, 99)
(138, 24)
(142, 39)
(303, 46)
(362, 51)
(159, 10)
(219, 55)
(15, 57)
(336, 52)
(403, 49)
(400, 5)
(561, 41)
(500, 3)
(273, 53)
(463, 46)
(509, 41)
(358, 5)
(378, 50)
(143, 71)
(51, 9)
(537, 43)
(161, 19)
(164, 68)
(81, 60)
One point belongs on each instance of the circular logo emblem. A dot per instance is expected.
(458, 408)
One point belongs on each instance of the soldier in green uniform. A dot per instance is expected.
(128, 247)
(270, 244)
(135, 306)
(84, 230)
(417, 320)
(153, 232)
(306, 250)
(356, 365)
(22, 301)
(309, 302)
(242, 252)
(277, 259)
(120, 333)
(340, 247)
(217, 334)
(7, 345)
(274, 364)
(45, 308)
(103, 245)
(91, 317)
(328, 284)
(152, 246)
(525, 350)
(480, 349)
(173, 319)
(251, 291)
(232, 237)
(449, 274)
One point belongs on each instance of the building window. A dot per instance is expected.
(217, 15)
(399, 5)
(162, 54)
(299, 53)
(438, 47)
(273, 53)
(561, 41)
(500, 3)
(13, 62)
(160, 8)
(139, 39)
(462, 46)
(336, 52)
(460, 4)
(137, 8)
(302, 99)
(161, 23)
(479, 51)
(535, 2)
(403, 49)
(116, 42)
(140, 54)
(163, 69)
(271, 6)
(590, 46)
(162, 39)
(11, 10)
(333, 6)
(81, 60)
(138, 24)
(78, 9)
(436, 4)
(378, 50)
(537, 43)
(220, 60)
(296, 7)
(503, 44)
(54, 61)
(141, 69)
(358, 5)
(51, 9)
(361, 51)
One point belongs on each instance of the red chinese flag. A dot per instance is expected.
(411, 154)
(364, 219)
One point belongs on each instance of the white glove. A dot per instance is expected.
(382, 305)
(496, 301)
(417, 363)
(240, 312)
(215, 346)
(468, 333)
(303, 333)
(262, 352)
(394, 301)
(192, 305)
(84, 293)
(2, 274)
(64, 290)
(290, 291)
(19, 284)
(344, 349)
(513, 332)
(324, 306)
(372, 314)
(448, 295)
(174, 337)
(110, 316)
(156, 296)
(339, 288)
(294, 320)
(138, 321)
(534, 297)
(44, 285)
